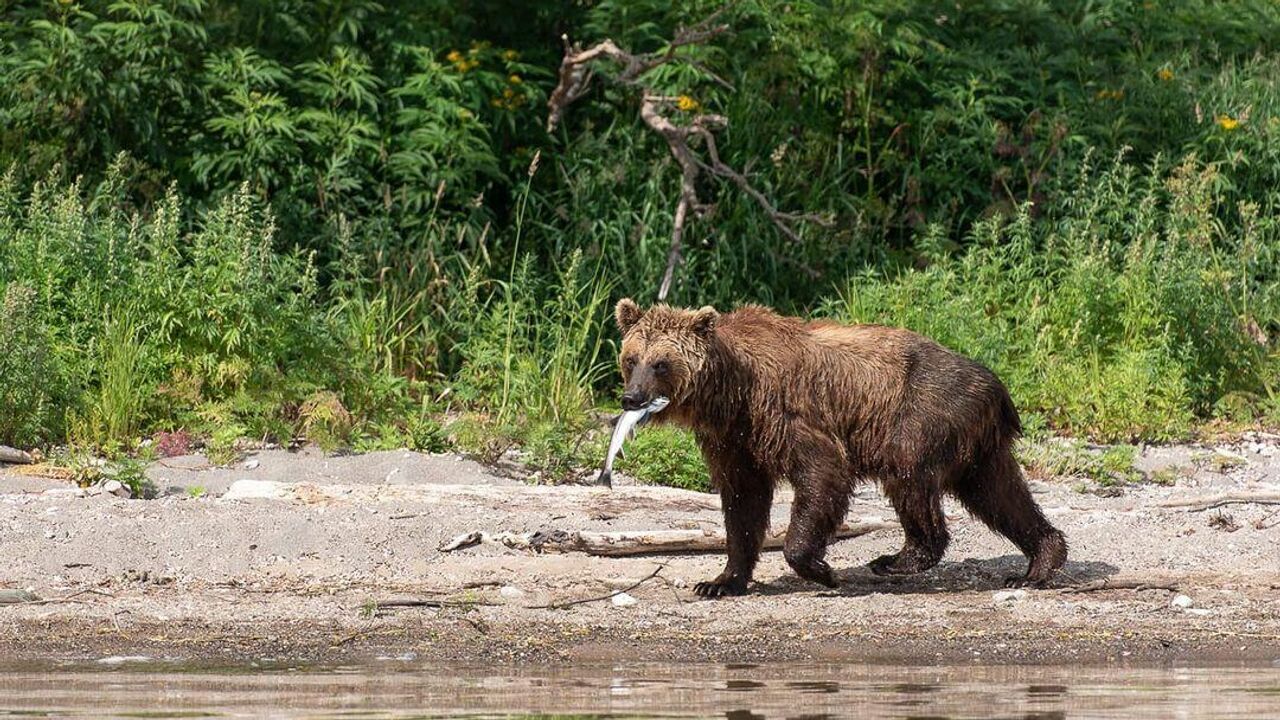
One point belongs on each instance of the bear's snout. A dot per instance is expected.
(633, 400)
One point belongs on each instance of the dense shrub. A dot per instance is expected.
(1126, 315)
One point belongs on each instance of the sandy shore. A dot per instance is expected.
(309, 567)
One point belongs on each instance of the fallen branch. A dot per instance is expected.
(1136, 581)
(427, 603)
(656, 111)
(15, 456)
(1255, 497)
(640, 542)
(629, 588)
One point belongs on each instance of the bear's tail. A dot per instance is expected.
(1009, 421)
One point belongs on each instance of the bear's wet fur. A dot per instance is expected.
(823, 406)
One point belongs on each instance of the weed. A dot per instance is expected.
(325, 421)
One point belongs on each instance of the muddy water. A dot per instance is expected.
(402, 689)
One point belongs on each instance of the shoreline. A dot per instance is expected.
(299, 564)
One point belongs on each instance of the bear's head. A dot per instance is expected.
(663, 351)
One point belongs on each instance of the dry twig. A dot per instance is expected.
(629, 588)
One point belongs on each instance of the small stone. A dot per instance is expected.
(1006, 596)
(252, 465)
(17, 596)
(511, 592)
(117, 488)
(1182, 601)
(624, 600)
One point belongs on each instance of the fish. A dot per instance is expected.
(624, 428)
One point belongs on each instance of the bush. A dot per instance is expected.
(1124, 317)
(664, 455)
(29, 379)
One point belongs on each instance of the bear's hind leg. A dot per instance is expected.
(746, 495)
(997, 494)
(919, 507)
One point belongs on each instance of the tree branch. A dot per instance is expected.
(656, 111)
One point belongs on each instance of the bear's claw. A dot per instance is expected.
(892, 565)
(1023, 581)
(719, 588)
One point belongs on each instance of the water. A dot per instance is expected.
(405, 690)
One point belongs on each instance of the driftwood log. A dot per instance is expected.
(15, 456)
(641, 542)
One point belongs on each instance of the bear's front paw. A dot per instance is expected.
(721, 587)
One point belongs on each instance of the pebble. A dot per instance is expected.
(1181, 601)
(252, 465)
(511, 591)
(1005, 596)
(624, 600)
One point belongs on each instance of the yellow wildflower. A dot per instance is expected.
(508, 92)
(453, 56)
(511, 55)
(1165, 74)
(1228, 123)
(687, 104)
(515, 80)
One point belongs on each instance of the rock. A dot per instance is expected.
(17, 596)
(624, 600)
(511, 592)
(256, 490)
(1008, 596)
(1181, 601)
(117, 488)
(252, 465)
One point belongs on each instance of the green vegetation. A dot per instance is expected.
(667, 456)
(346, 222)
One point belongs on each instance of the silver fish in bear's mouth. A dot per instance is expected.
(625, 428)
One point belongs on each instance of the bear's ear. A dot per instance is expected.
(704, 320)
(627, 314)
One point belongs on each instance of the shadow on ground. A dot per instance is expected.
(967, 575)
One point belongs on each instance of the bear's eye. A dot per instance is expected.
(629, 362)
(661, 368)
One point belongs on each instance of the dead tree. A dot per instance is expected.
(656, 110)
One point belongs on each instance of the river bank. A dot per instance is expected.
(321, 558)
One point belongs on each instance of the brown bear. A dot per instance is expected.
(824, 405)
